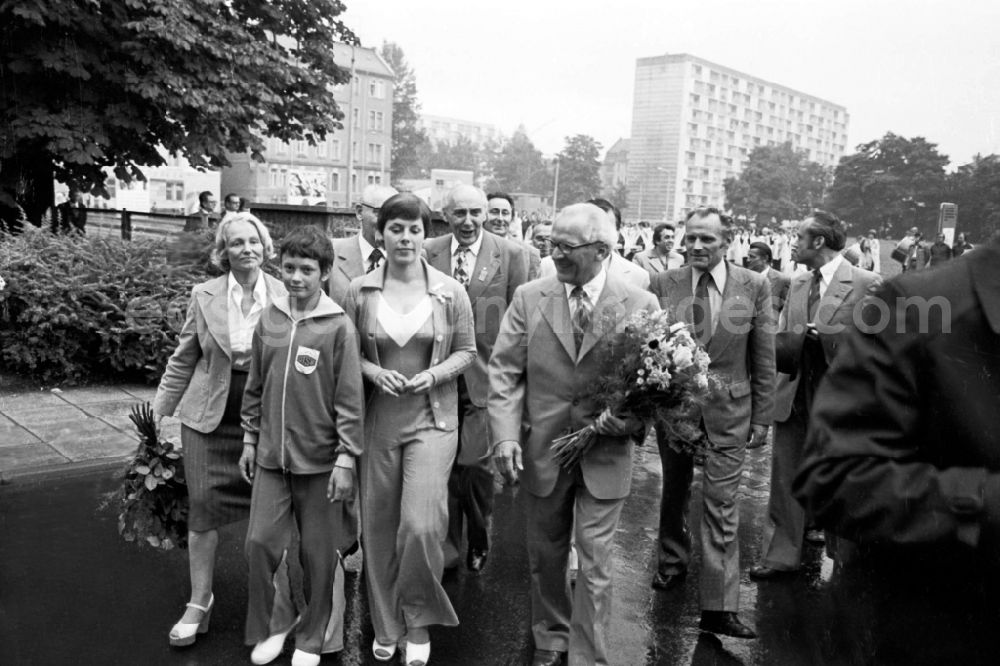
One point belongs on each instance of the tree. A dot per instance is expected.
(407, 136)
(890, 184)
(579, 170)
(619, 196)
(520, 168)
(463, 154)
(104, 83)
(975, 188)
(777, 181)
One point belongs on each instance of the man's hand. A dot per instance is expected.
(248, 460)
(391, 382)
(420, 382)
(507, 460)
(758, 436)
(612, 426)
(341, 485)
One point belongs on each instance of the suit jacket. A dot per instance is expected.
(619, 267)
(741, 349)
(534, 261)
(501, 267)
(779, 288)
(195, 383)
(536, 373)
(347, 265)
(902, 451)
(654, 263)
(835, 316)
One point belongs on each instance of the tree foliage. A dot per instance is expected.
(89, 84)
(407, 135)
(975, 188)
(619, 196)
(777, 181)
(519, 166)
(890, 184)
(462, 154)
(579, 170)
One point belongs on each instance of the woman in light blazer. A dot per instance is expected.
(203, 385)
(417, 336)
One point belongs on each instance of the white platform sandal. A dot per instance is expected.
(186, 633)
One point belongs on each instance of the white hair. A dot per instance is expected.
(219, 256)
(601, 228)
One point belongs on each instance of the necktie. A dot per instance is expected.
(374, 260)
(813, 302)
(701, 314)
(581, 315)
(461, 272)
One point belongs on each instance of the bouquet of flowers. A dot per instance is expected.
(152, 499)
(654, 371)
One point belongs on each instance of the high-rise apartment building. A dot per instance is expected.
(694, 124)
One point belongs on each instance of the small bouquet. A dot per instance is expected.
(152, 499)
(654, 371)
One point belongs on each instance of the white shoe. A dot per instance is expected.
(186, 633)
(300, 658)
(383, 651)
(268, 649)
(418, 654)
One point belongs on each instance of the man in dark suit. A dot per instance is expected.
(902, 459)
(545, 362)
(499, 215)
(205, 217)
(759, 259)
(362, 253)
(71, 215)
(491, 268)
(823, 305)
(729, 310)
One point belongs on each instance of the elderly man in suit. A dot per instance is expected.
(902, 459)
(759, 258)
(823, 305)
(729, 309)
(544, 363)
(490, 268)
(357, 255)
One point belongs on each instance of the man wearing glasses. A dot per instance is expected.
(360, 254)
(499, 218)
(490, 268)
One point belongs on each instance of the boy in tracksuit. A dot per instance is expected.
(302, 420)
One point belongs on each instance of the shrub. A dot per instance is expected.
(79, 308)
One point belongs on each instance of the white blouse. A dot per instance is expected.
(402, 327)
(241, 328)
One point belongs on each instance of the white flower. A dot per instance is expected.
(701, 381)
(679, 326)
(3, 283)
(683, 358)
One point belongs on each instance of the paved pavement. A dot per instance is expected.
(47, 431)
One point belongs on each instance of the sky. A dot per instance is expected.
(917, 68)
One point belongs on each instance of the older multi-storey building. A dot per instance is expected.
(333, 172)
(694, 123)
(440, 129)
(614, 169)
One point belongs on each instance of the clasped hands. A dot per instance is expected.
(395, 383)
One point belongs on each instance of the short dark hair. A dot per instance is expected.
(705, 211)
(608, 207)
(232, 195)
(204, 195)
(308, 242)
(502, 195)
(764, 248)
(828, 226)
(660, 228)
(404, 206)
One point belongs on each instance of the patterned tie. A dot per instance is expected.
(813, 302)
(375, 259)
(461, 272)
(581, 315)
(701, 312)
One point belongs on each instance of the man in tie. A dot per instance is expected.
(360, 254)
(545, 362)
(823, 306)
(729, 309)
(491, 268)
(499, 218)
(759, 260)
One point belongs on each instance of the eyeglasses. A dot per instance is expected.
(461, 213)
(567, 249)
(373, 209)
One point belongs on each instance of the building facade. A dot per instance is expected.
(694, 124)
(335, 171)
(441, 129)
(614, 169)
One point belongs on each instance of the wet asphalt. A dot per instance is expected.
(72, 592)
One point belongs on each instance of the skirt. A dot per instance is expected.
(217, 493)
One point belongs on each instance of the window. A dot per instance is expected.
(354, 181)
(371, 121)
(380, 121)
(335, 150)
(275, 179)
(375, 152)
(300, 147)
(334, 180)
(354, 150)
(282, 148)
(376, 89)
(175, 190)
(374, 179)
(356, 117)
(357, 84)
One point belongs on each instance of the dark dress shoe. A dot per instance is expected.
(725, 623)
(764, 572)
(476, 559)
(815, 537)
(546, 658)
(662, 581)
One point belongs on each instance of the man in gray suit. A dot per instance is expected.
(823, 306)
(545, 362)
(491, 268)
(360, 254)
(759, 260)
(729, 309)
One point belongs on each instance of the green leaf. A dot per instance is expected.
(151, 482)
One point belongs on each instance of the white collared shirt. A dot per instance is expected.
(474, 248)
(767, 269)
(826, 273)
(719, 275)
(593, 290)
(240, 327)
(366, 252)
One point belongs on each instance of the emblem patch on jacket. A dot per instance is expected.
(306, 360)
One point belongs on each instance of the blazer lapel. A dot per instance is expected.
(607, 313)
(555, 310)
(439, 255)
(836, 293)
(215, 307)
(487, 264)
(734, 300)
(350, 262)
(681, 296)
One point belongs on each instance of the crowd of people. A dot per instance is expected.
(371, 395)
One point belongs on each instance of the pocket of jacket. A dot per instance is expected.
(740, 389)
